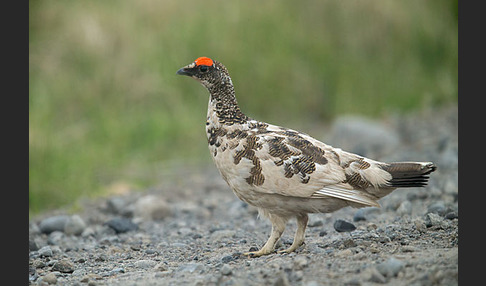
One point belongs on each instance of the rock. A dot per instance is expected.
(344, 253)
(88, 231)
(227, 258)
(145, 264)
(32, 274)
(405, 208)
(121, 225)
(359, 215)
(353, 282)
(220, 235)
(300, 262)
(53, 223)
(363, 213)
(179, 245)
(296, 275)
(49, 278)
(56, 250)
(349, 243)
(117, 205)
(375, 276)
(55, 237)
(390, 267)
(433, 219)
(190, 267)
(45, 251)
(226, 269)
(90, 276)
(64, 266)
(151, 207)
(451, 215)
(117, 270)
(151, 251)
(74, 225)
(409, 248)
(282, 280)
(371, 226)
(420, 225)
(343, 226)
(437, 208)
(315, 223)
(161, 267)
(33, 245)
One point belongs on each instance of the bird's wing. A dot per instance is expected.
(294, 164)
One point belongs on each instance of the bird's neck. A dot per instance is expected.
(223, 106)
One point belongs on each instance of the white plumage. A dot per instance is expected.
(286, 173)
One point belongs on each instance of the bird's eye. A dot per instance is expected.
(203, 68)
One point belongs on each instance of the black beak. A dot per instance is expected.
(185, 71)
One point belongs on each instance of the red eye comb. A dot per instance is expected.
(204, 61)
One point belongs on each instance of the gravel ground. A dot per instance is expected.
(191, 230)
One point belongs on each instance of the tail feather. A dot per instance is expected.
(409, 174)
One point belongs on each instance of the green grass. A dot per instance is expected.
(105, 105)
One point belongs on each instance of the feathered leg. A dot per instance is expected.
(278, 227)
(299, 234)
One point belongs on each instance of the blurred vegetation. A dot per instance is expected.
(107, 109)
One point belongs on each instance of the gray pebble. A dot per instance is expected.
(349, 243)
(121, 225)
(45, 251)
(409, 248)
(150, 251)
(315, 223)
(227, 258)
(390, 267)
(161, 267)
(117, 270)
(179, 245)
(49, 278)
(343, 226)
(64, 266)
(363, 213)
(74, 225)
(344, 253)
(301, 262)
(420, 225)
(53, 223)
(405, 208)
(33, 245)
(226, 269)
(145, 264)
(151, 207)
(116, 205)
(451, 215)
(32, 274)
(55, 237)
(190, 267)
(359, 215)
(433, 219)
(437, 208)
(296, 275)
(375, 276)
(282, 280)
(220, 235)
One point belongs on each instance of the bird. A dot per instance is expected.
(285, 173)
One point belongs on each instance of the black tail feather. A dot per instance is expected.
(409, 174)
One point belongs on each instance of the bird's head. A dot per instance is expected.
(208, 72)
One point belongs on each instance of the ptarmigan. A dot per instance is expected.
(286, 173)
